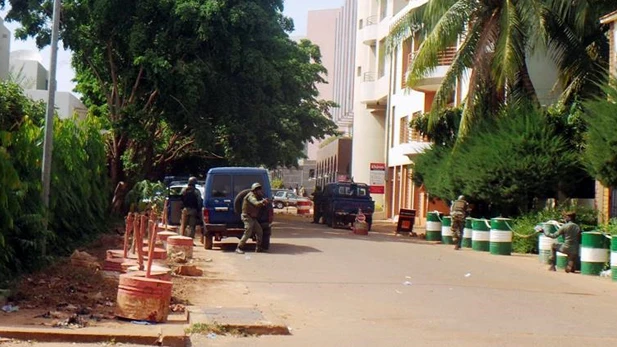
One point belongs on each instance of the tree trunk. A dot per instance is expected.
(527, 85)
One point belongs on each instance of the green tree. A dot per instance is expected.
(210, 79)
(496, 37)
(601, 152)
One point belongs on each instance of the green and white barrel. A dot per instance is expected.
(480, 235)
(594, 253)
(562, 258)
(433, 226)
(614, 258)
(545, 244)
(446, 231)
(467, 233)
(501, 236)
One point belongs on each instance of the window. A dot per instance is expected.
(221, 186)
(381, 68)
(359, 71)
(392, 124)
(312, 173)
(383, 9)
(404, 130)
(242, 182)
(415, 135)
(360, 24)
(407, 58)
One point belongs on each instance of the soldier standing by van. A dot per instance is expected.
(192, 202)
(459, 211)
(251, 205)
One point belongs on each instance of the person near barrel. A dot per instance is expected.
(571, 233)
(253, 202)
(192, 202)
(317, 197)
(458, 212)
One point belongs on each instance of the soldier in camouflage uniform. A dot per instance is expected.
(192, 202)
(458, 212)
(251, 206)
(571, 233)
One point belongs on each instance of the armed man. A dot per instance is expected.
(253, 202)
(571, 233)
(458, 212)
(192, 202)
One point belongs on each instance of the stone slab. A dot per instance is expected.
(245, 319)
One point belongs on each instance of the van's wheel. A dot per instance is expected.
(208, 242)
(370, 223)
(328, 220)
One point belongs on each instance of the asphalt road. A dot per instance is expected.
(333, 288)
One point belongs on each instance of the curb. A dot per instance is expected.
(165, 336)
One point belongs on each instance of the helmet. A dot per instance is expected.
(255, 186)
(461, 197)
(192, 181)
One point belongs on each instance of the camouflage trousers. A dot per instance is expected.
(570, 253)
(458, 224)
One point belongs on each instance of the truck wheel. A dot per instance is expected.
(328, 220)
(208, 242)
(370, 223)
(265, 242)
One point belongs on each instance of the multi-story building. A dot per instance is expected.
(333, 162)
(5, 49)
(343, 76)
(385, 106)
(67, 105)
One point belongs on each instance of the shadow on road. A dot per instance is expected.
(275, 248)
(304, 229)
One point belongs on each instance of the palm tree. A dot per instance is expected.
(494, 38)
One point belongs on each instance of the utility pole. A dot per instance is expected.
(49, 116)
(51, 101)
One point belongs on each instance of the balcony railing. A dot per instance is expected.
(369, 77)
(444, 58)
(372, 20)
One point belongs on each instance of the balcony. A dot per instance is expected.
(433, 79)
(370, 30)
(374, 90)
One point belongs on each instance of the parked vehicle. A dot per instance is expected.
(284, 197)
(174, 200)
(221, 218)
(342, 201)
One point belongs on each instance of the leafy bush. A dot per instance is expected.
(145, 195)
(601, 151)
(523, 226)
(506, 163)
(79, 189)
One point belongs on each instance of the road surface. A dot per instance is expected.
(333, 288)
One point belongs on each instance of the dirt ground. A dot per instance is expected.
(67, 295)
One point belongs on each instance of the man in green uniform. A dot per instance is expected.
(571, 233)
(253, 202)
(192, 202)
(458, 212)
(317, 203)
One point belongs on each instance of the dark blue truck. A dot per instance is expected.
(221, 214)
(341, 202)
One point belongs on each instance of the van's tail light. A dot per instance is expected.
(270, 214)
(206, 213)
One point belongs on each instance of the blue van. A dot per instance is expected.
(221, 219)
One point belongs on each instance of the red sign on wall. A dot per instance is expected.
(378, 178)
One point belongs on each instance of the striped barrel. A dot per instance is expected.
(480, 235)
(562, 258)
(594, 253)
(467, 233)
(614, 258)
(500, 236)
(446, 231)
(433, 226)
(545, 243)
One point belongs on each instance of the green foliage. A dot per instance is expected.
(277, 183)
(524, 225)
(505, 163)
(601, 151)
(145, 195)
(79, 190)
(610, 227)
(442, 129)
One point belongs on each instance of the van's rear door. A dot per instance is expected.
(220, 199)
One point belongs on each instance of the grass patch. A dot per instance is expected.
(215, 328)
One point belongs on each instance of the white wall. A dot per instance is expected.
(66, 103)
(29, 74)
